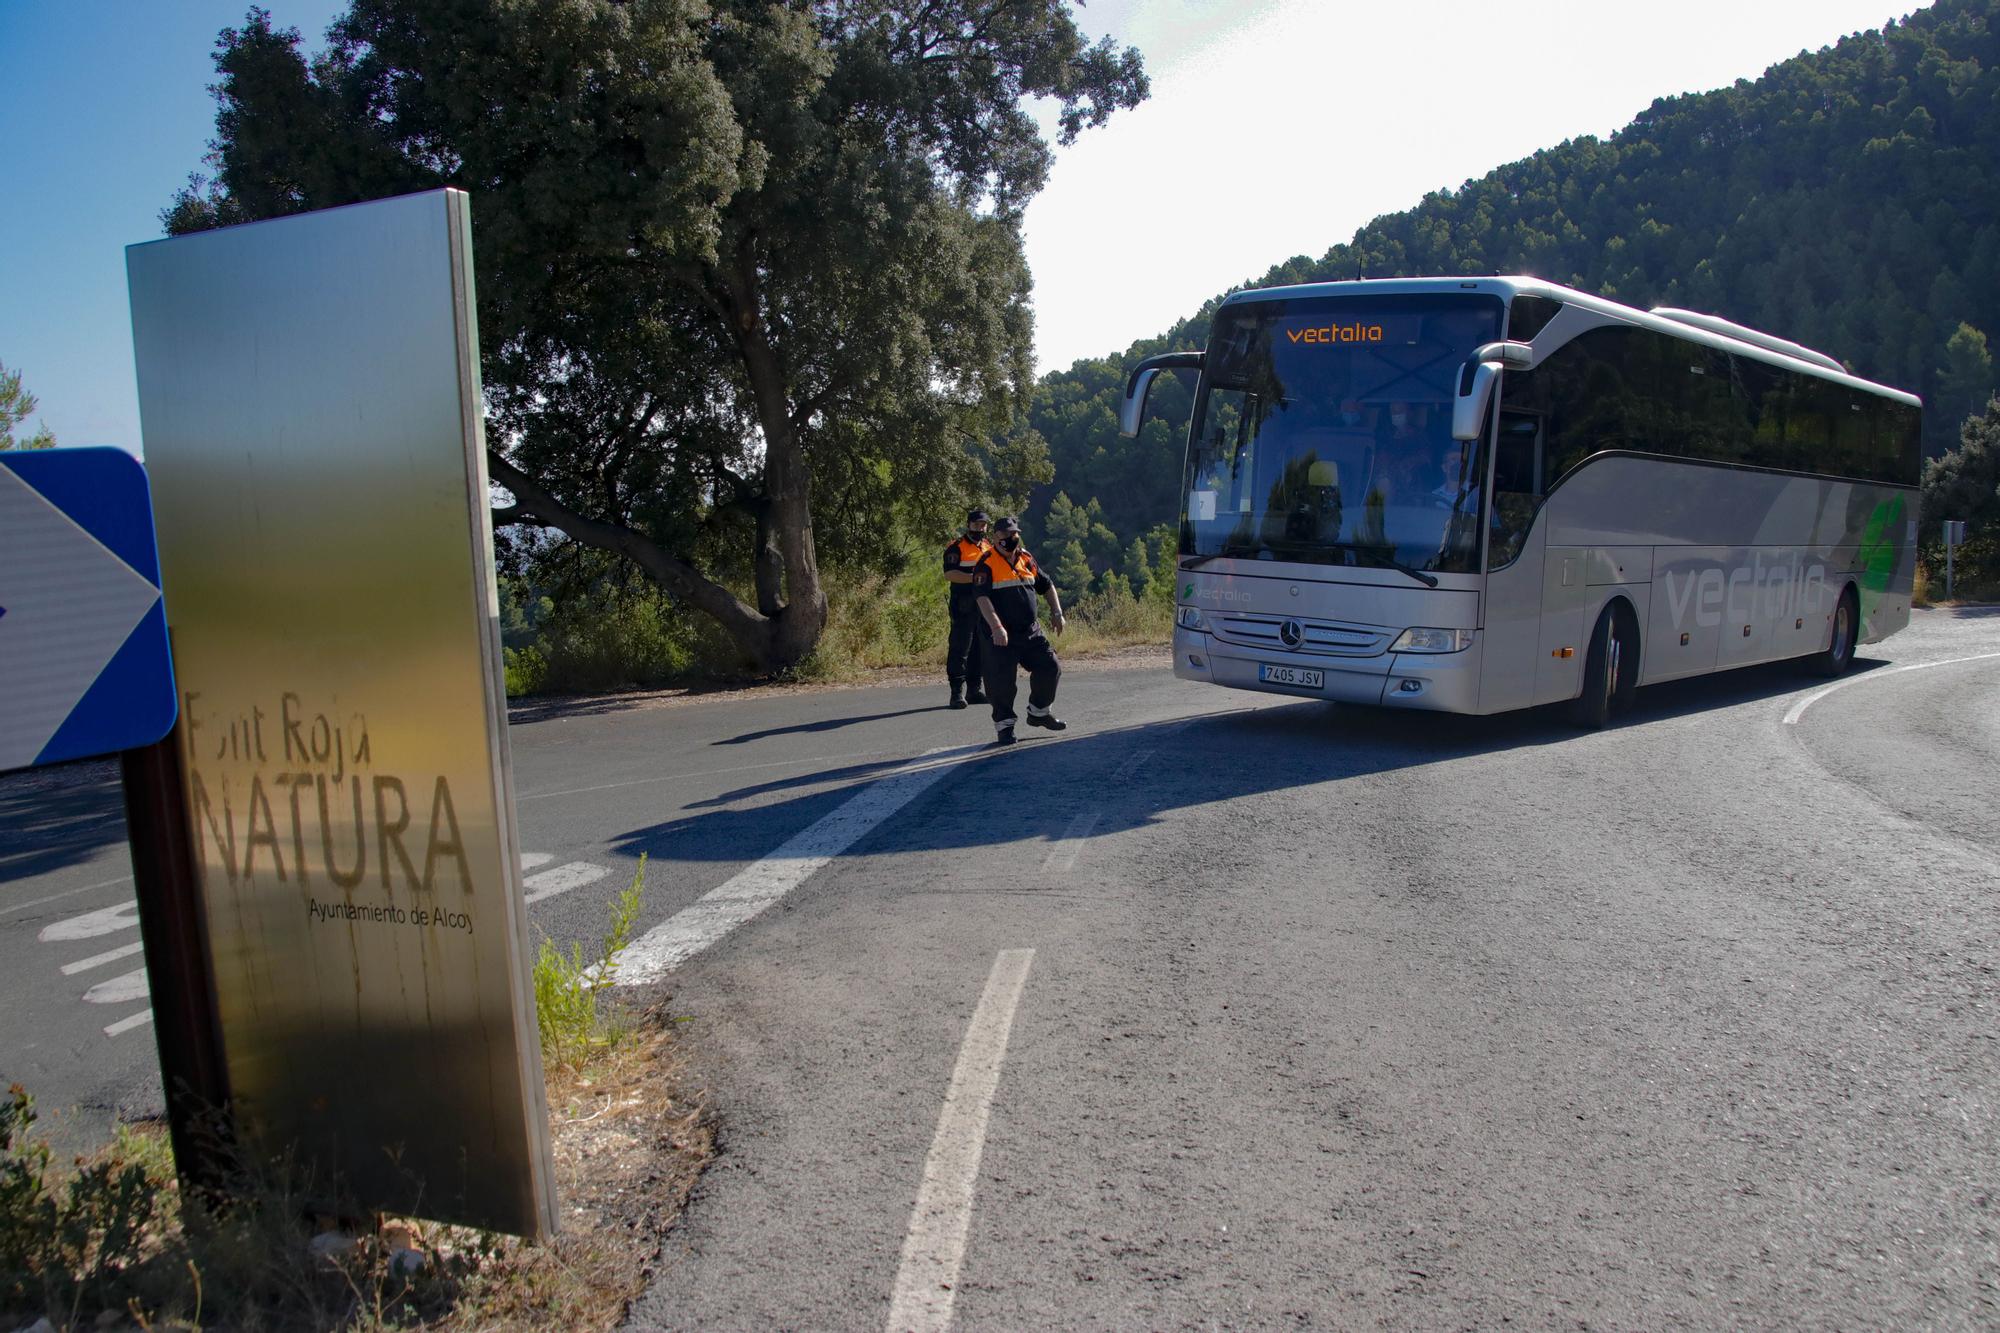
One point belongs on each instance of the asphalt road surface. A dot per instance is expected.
(1226, 1010)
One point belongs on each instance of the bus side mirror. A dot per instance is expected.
(1468, 410)
(1133, 410)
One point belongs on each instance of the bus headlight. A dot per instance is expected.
(1432, 641)
(1189, 617)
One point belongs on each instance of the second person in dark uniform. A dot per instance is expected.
(961, 653)
(1005, 586)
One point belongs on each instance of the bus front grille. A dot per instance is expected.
(1309, 636)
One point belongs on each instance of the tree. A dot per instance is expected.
(1965, 484)
(741, 262)
(16, 406)
(1966, 379)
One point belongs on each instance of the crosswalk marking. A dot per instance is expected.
(125, 1025)
(119, 990)
(561, 879)
(130, 986)
(104, 921)
(99, 960)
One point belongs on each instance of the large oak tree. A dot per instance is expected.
(739, 263)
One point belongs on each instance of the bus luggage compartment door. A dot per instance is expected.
(1685, 633)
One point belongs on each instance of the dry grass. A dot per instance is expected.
(629, 1143)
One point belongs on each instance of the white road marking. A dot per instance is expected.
(746, 894)
(1131, 766)
(125, 1025)
(119, 990)
(1062, 856)
(534, 860)
(1798, 709)
(54, 897)
(935, 1247)
(104, 921)
(561, 879)
(99, 960)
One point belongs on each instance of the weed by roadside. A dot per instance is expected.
(571, 1020)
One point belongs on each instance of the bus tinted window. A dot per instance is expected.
(1635, 389)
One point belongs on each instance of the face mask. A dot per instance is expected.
(1009, 542)
(975, 534)
(1398, 420)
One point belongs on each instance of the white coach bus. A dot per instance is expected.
(1480, 494)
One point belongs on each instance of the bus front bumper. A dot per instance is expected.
(1440, 682)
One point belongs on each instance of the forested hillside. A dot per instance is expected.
(1849, 199)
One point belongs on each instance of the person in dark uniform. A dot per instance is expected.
(961, 654)
(1005, 586)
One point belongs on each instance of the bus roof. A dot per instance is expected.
(1507, 287)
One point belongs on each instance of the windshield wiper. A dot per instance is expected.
(1389, 562)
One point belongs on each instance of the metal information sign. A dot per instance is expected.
(84, 667)
(309, 393)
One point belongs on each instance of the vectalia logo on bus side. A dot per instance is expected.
(1778, 587)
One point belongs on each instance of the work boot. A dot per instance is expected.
(1004, 734)
(975, 695)
(958, 696)
(1049, 720)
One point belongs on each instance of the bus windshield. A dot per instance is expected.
(1324, 433)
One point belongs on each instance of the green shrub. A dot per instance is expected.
(64, 1239)
(566, 987)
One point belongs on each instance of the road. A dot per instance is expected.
(1224, 1010)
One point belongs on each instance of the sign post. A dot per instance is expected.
(310, 398)
(1954, 534)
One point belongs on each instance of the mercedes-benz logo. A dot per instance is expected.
(1293, 633)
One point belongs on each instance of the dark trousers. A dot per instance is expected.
(962, 651)
(1031, 650)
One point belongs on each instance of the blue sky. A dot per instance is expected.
(105, 109)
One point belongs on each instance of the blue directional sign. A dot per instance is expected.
(84, 664)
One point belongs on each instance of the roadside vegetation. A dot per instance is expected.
(576, 622)
(109, 1241)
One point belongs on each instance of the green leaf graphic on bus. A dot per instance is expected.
(1877, 556)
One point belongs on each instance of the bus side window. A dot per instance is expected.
(1517, 485)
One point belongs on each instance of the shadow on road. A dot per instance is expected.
(825, 724)
(1139, 773)
(60, 816)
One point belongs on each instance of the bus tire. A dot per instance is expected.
(1610, 669)
(1838, 655)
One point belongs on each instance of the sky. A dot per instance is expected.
(1275, 128)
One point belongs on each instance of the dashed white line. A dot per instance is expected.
(748, 893)
(1131, 766)
(1798, 709)
(125, 1025)
(927, 1280)
(1062, 856)
(99, 960)
(119, 990)
(705, 773)
(532, 860)
(561, 879)
(104, 921)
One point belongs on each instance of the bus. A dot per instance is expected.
(1473, 495)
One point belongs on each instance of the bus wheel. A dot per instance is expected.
(1839, 652)
(1610, 670)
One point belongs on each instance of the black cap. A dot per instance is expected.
(977, 516)
(1008, 524)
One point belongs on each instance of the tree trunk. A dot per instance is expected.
(765, 639)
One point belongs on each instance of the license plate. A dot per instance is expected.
(1284, 675)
